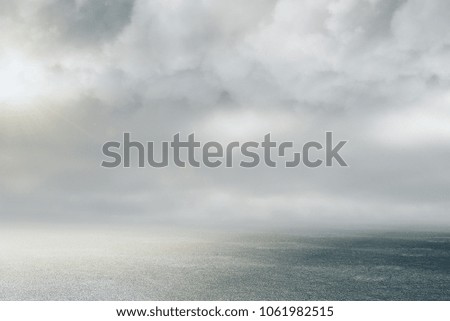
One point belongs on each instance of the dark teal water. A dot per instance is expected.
(139, 266)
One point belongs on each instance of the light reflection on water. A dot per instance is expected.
(76, 264)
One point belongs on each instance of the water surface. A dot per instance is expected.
(102, 264)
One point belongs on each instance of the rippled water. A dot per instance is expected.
(51, 264)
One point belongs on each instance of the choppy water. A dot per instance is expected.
(115, 265)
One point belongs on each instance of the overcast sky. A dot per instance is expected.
(75, 74)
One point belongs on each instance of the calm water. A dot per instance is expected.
(47, 264)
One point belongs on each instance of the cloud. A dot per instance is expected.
(372, 71)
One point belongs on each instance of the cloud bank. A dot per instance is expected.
(78, 73)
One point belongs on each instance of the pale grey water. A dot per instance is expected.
(52, 264)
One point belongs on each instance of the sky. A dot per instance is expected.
(75, 74)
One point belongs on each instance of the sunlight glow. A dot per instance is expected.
(22, 81)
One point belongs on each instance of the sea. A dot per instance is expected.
(99, 263)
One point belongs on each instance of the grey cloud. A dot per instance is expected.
(81, 23)
(227, 70)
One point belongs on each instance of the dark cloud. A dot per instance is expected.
(84, 23)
